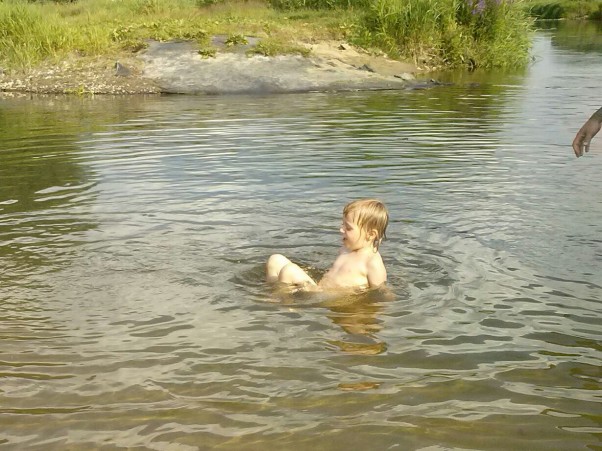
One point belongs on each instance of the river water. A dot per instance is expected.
(134, 231)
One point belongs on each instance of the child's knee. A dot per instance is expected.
(277, 261)
(293, 274)
(289, 273)
(274, 266)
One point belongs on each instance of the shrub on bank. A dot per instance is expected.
(472, 33)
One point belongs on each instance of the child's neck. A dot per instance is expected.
(367, 249)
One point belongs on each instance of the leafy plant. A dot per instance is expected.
(207, 52)
(236, 39)
(271, 47)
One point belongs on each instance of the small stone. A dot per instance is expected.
(342, 47)
(121, 70)
(405, 76)
(366, 68)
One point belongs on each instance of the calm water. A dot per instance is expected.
(133, 233)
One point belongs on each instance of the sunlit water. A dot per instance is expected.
(134, 231)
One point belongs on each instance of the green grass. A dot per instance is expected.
(450, 32)
(433, 32)
(31, 33)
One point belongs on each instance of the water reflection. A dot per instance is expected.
(360, 320)
(581, 36)
(44, 189)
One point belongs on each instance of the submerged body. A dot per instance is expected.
(350, 271)
(358, 266)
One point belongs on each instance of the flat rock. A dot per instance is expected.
(177, 67)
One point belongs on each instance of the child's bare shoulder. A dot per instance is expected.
(376, 271)
(375, 261)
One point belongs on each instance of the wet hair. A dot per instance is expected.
(369, 214)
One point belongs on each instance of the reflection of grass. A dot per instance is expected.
(41, 182)
(358, 386)
(81, 90)
(583, 36)
(565, 9)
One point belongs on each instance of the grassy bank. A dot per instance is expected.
(565, 9)
(473, 33)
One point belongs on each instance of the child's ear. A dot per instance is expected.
(373, 234)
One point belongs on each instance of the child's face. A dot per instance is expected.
(354, 237)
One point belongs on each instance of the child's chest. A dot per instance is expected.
(349, 266)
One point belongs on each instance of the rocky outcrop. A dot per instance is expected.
(179, 67)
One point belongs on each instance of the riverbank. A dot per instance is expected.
(177, 67)
(106, 46)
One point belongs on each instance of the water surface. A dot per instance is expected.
(133, 234)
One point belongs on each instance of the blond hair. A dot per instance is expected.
(369, 214)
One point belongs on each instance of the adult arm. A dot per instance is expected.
(587, 132)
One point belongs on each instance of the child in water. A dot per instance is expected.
(359, 264)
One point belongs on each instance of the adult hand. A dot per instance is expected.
(586, 133)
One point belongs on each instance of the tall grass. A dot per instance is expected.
(319, 4)
(473, 33)
(33, 32)
(25, 33)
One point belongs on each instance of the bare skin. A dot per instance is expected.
(358, 266)
(586, 133)
(362, 268)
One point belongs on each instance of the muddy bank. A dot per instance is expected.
(177, 67)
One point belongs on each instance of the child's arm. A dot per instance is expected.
(377, 274)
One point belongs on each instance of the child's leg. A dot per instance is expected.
(281, 269)
(293, 274)
(274, 265)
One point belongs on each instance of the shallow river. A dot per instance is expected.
(134, 231)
